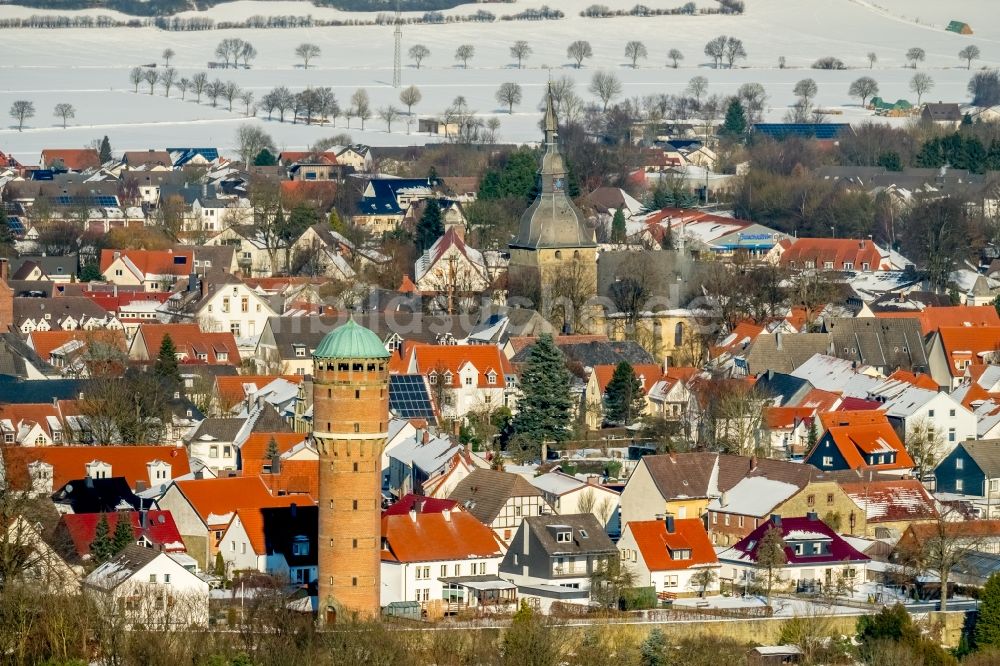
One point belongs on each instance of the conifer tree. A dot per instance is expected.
(653, 651)
(988, 624)
(123, 534)
(735, 123)
(430, 227)
(104, 151)
(618, 230)
(101, 548)
(272, 449)
(623, 399)
(166, 361)
(545, 408)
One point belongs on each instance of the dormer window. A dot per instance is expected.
(447, 378)
(300, 351)
(300, 546)
(432, 378)
(491, 378)
(564, 537)
(680, 554)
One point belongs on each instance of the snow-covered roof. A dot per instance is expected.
(753, 496)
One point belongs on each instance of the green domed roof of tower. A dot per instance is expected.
(351, 341)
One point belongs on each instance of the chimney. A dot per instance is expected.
(670, 524)
(753, 463)
(143, 516)
(776, 520)
(276, 464)
(446, 514)
(192, 281)
(140, 485)
(413, 515)
(812, 515)
(425, 437)
(777, 340)
(593, 480)
(4, 270)
(723, 499)
(204, 287)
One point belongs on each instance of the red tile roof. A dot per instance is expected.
(427, 505)
(429, 359)
(820, 400)
(851, 404)
(971, 344)
(159, 529)
(428, 537)
(918, 379)
(742, 335)
(853, 441)
(779, 418)
(920, 533)
(836, 251)
(800, 529)
(852, 418)
(215, 500)
(75, 159)
(44, 342)
(152, 263)
(255, 446)
(190, 342)
(24, 414)
(892, 501)
(647, 374)
(656, 544)
(295, 477)
(307, 157)
(70, 462)
(934, 317)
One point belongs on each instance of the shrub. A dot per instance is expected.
(829, 63)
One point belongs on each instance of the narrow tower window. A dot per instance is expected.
(357, 394)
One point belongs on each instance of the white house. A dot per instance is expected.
(675, 557)
(151, 588)
(569, 495)
(913, 407)
(439, 557)
(450, 265)
(278, 541)
(231, 306)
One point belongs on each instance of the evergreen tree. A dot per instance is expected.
(653, 651)
(105, 150)
(265, 158)
(166, 361)
(220, 565)
(545, 408)
(735, 123)
(623, 399)
(123, 534)
(618, 231)
(272, 449)
(812, 436)
(430, 227)
(336, 223)
(101, 548)
(988, 624)
(516, 179)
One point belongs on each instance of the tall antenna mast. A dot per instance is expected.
(397, 68)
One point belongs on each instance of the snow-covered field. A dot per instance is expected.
(89, 67)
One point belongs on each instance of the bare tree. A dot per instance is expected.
(198, 84)
(247, 53)
(716, 50)
(733, 51)
(251, 140)
(606, 87)
(806, 90)
(921, 84)
(418, 52)
(167, 55)
(20, 111)
(168, 79)
(65, 112)
(863, 88)
(509, 94)
(230, 91)
(872, 59)
(520, 51)
(410, 96)
(915, 55)
(135, 76)
(754, 99)
(183, 86)
(697, 87)
(214, 91)
(771, 558)
(925, 445)
(635, 50)
(361, 105)
(703, 579)
(578, 51)
(675, 56)
(307, 52)
(284, 100)
(939, 547)
(247, 98)
(465, 52)
(388, 114)
(151, 77)
(968, 54)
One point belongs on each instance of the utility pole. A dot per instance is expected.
(397, 68)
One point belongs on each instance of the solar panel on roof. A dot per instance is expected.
(409, 397)
(15, 225)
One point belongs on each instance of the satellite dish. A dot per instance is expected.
(69, 487)
(160, 519)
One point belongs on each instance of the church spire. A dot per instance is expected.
(551, 127)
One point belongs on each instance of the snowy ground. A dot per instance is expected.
(89, 67)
